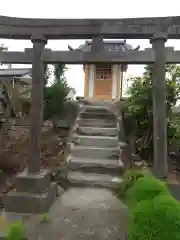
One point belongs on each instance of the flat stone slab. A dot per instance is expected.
(94, 109)
(110, 153)
(95, 165)
(97, 123)
(98, 141)
(102, 162)
(95, 131)
(82, 214)
(81, 179)
(97, 115)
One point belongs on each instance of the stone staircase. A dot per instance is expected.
(95, 150)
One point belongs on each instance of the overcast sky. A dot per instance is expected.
(87, 9)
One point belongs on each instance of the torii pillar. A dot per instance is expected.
(159, 92)
(36, 114)
(34, 193)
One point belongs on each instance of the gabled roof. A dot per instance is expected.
(15, 72)
(111, 45)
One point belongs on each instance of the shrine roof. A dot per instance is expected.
(111, 45)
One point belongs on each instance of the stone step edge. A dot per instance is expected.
(14, 192)
(80, 147)
(99, 113)
(97, 119)
(96, 106)
(96, 137)
(92, 162)
(105, 128)
(72, 145)
(81, 182)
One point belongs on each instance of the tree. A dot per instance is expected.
(59, 71)
(56, 94)
(138, 108)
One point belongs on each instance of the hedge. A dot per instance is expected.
(154, 213)
(155, 219)
(145, 188)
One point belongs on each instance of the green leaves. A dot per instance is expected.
(56, 94)
(59, 70)
(138, 108)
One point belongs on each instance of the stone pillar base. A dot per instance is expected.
(33, 194)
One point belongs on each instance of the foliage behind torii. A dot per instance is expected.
(138, 109)
(55, 95)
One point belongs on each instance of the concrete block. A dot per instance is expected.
(24, 202)
(33, 183)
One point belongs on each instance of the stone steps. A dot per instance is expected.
(98, 141)
(79, 179)
(94, 159)
(97, 131)
(113, 167)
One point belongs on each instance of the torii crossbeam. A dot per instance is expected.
(77, 57)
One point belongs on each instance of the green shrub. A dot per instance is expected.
(155, 219)
(129, 178)
(138, 109)
(16, 231)
(146, 188)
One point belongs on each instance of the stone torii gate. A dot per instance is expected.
(35, 181)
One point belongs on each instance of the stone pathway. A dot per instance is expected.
(82, 213)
